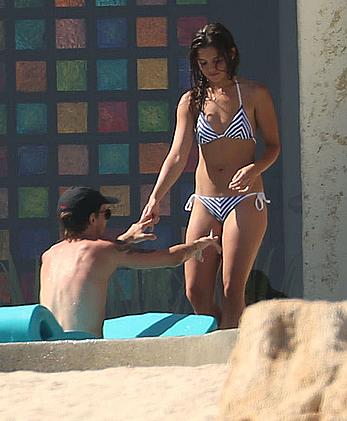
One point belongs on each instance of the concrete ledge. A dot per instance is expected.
(212, 348)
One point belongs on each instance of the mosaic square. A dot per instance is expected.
(111, 2)
(3, 161)
(3, 119)
(32, 160)
(70, 3)
(28, 3)
(146, 190)
(113, 117)
(114, 159)
(72, 117)
(112, 33)
(151, 31)
(4, 244)
(2, 35)
(70, 33)
(33, 242)
(71, 75)
(30, 34)
(123, 194)
(151, 157)
(3, 202)
(31, 76)
(153, 116)
(152, 73)
(31, 118)
(33, 202)
(112, 75)
(73, 160)
(187, 26)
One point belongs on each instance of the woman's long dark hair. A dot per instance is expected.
(212, 35)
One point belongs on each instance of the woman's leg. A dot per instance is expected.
(200, 277)
(243, 232)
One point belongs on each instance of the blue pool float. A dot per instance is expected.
(35, 322)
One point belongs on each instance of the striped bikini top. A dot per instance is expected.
(239, 127)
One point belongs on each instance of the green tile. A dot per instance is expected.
(30, 34)
(31, 118)
(153, 116)
(112, 75)
(114, 159)
(71, 75)
(33, 202)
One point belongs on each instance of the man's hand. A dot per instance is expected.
(137, 232)
(203, 242)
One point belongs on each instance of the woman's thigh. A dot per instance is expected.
(243, 232)
(202, 275)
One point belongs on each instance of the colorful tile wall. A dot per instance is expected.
(31, 76)
(72, 117)
(88, 95)
(151, 31)
(112, 33)
(31, 118)
(73, 160)
(30, 34)
(114, 159)
(32, 160)
(113, 116)
(71, 75)
(112, 75)
(153, 116)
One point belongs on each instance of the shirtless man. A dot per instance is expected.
(75, 272)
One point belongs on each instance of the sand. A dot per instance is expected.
(119, 394)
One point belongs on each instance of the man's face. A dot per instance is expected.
(102, 217)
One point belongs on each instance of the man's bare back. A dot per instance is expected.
(75, 272)
(74, 285)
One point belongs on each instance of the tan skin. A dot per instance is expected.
(226, 167)
(74, 274)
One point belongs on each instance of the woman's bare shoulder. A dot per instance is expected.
(254, 91)
(251, 86)
(185, 99)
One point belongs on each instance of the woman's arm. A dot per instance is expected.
(266, 121)
(176, 159)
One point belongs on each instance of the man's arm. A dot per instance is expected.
(170, 257)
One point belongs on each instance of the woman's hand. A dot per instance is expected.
(244, 179)
(137, 232)
(152, 211)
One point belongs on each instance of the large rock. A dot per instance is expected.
(289, 363)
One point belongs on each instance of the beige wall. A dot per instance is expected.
(322, 36)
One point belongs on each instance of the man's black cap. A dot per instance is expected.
(81, 200)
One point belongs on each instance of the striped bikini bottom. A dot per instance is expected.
(221, 206)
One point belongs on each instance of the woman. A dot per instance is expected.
(221, 112)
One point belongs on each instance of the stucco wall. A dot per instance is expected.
(323, 110)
